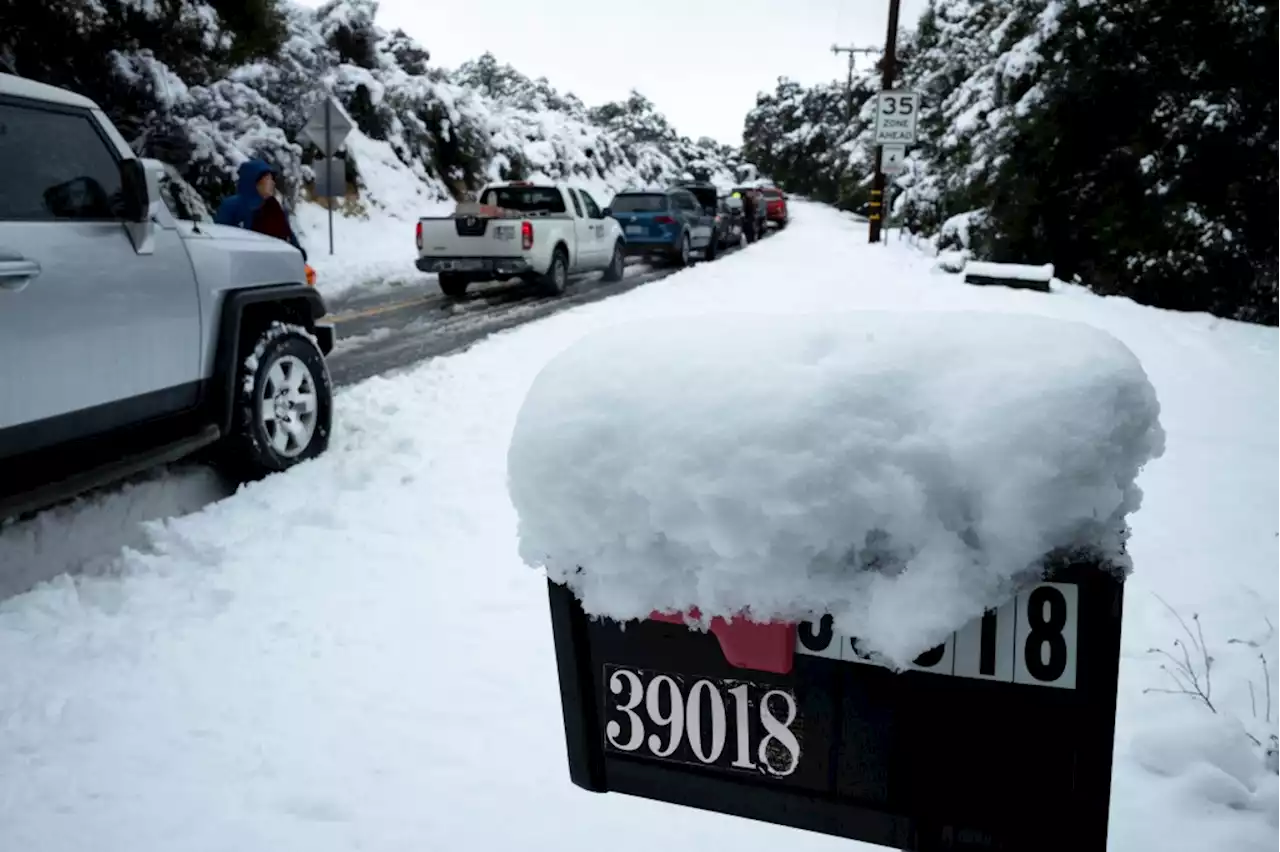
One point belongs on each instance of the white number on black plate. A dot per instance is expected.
(727, 724)
(1032, 639)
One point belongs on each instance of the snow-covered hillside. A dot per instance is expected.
(206, 84)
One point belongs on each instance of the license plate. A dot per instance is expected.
(459, 265)
(635, 229)
(732, 725)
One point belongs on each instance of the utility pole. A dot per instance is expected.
(848, 86)
(889, 62)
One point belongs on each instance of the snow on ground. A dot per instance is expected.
(352, 655)
(753, 463)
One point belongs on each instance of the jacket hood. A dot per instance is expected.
(251, 171)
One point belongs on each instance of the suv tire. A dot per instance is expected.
(683, 256)
(284, 403)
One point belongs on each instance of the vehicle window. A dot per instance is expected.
(686, 200)
(705, 196)
(526, 199)
(593, 209)
(772, 193)
(577, 205)
(652, 202)
(56, 166)
(181, 198)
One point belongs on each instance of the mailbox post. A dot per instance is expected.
(998, 739)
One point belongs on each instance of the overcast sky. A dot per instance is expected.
(700, 61)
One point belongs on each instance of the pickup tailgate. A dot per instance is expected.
(467, 236)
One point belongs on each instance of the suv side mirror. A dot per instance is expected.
(135, 202)
(608, 211)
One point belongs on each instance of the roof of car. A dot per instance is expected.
(22, 87)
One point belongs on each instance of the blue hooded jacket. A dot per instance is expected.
(240, 209)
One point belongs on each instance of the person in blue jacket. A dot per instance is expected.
(255, 207)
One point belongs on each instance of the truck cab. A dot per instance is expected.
(130, 336)
(540, 233)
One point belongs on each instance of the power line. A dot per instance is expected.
(848, 86)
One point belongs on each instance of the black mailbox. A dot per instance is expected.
(999, 739)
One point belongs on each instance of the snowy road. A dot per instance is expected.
(353, 656)
(416, 322)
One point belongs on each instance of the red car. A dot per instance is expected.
(775, 206)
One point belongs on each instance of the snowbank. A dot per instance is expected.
(899, 471)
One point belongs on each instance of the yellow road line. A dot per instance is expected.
(377, 310)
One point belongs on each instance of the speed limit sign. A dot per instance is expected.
(896, 113)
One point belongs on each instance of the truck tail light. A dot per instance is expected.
(417, 236)
(526, 235)
(663, 220)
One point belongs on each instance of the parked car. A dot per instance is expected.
(131, 335)
(708, 196)
(541, 233)
(775, 206)
(668, 224)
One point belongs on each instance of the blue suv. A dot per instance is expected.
(669, 224)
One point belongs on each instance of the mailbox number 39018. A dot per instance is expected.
(1032, 639)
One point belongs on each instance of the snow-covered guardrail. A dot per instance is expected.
(736, 514)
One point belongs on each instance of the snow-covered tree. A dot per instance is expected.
(205, 84)
(1130, 142)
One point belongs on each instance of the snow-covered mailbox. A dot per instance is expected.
(853, 573)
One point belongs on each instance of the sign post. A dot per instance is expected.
(1000, 738)
(327, 127)
(897, 111)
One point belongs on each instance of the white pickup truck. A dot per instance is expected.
(541, 233)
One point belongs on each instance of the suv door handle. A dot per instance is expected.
(16, 274)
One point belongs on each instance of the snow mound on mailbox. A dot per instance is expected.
(900, 471)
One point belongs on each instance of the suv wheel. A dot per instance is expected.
(682, 257)
(285, 403)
